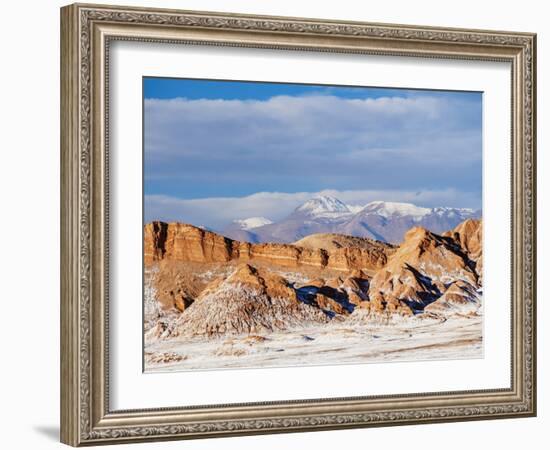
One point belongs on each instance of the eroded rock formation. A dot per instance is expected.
(422, 269)
(210, 285)
(187, 243)
(248, 301)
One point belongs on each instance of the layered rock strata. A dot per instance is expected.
(251, 288)
(187, 243)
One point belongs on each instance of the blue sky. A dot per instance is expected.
(216, 151)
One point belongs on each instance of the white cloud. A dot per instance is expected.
(312, 142)
(424, 149)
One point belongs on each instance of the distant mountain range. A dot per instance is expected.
(385, 221)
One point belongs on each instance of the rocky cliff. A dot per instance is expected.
(187, 243)
(424, 267)
(469, 236)
(214, 285)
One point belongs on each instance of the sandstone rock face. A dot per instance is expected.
(335, 296)
(347, 259)
(248, 301)
(469, 235)
(379, 304)
(176, 289)
(422, 268)
(285, 255)
(459, 298)
(154, 241)
(178, 241)
(187, 243)
(377, 250)
(433, 256)
(206, 284)
(326, 303)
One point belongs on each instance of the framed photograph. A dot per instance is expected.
(278, 224)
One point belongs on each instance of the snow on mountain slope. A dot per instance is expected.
(452, 212)
(355, 208)
(390, 209)
(321, 205)
(252, 222)
(385, 221)
(390, 221)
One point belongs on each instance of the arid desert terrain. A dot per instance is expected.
(213, 302)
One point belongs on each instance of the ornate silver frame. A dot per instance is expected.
(86, 32)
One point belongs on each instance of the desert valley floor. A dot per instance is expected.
(212, 302)
(454, 338)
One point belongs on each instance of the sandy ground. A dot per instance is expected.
(339, 343)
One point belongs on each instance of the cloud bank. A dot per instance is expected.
(212, 161)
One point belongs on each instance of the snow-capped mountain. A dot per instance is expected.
(323, 206)
(385, 221)
(393, 209)
(389, 221)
